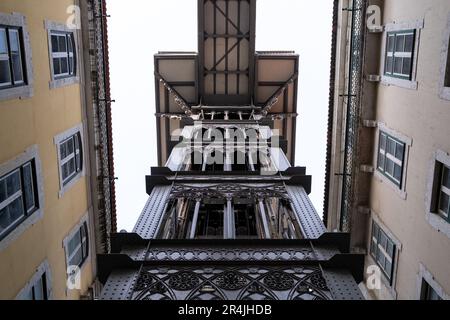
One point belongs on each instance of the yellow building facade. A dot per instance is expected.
(48, 205)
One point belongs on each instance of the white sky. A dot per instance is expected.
(140, 28)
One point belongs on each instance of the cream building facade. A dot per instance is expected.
(52, 206)
(388, 163)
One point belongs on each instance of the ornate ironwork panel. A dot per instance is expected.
(231, 283)
(228, 191)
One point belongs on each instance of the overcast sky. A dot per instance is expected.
(140, 28)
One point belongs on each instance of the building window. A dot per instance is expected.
(16, 72)
(11, 58)
(400, 54)
(39, 286)
(18, 197)
(70, 160)
(63, 54)
(391, 155)
(447, 67)
(69, 146)
(38, 290)
(382, 250)
(62, 44)
(441, 194)
(428, 292)
(77, 246)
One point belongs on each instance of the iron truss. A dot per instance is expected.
(229, 191)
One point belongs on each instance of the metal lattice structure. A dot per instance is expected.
(215, 228)
(358, 12)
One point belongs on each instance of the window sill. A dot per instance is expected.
(401, 83)
(63, 82)
(438, 223)
(383, 179)
(445, 93)
(22, 92)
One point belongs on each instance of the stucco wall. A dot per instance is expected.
(38, 120)
(424, 117)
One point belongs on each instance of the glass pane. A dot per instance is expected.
(397, 172)
(390, 249)
(71, 166)
(443, 204)
(39, 290)
(380, 259)
(28, 187)
(432, 294)
(64, 171)
(73, 243)
(409, 43)
(69, 42)
(446, 178)
(383, 240)
(381, 159)
(5, 72)
(375, 231)
(382, 142)
(64, 65)
(70, 146)
(407, 66)
(3, 43)
(62, 44)
(13, 183)
(77, 258)
(14, 41)
(54, 43)
(390, 45)
(391, 146)
(373, 247)
(2, 190)
(389, 64)
(398, 63)
(17, 67)
(71, 65)
(399, 151)
(388, 268)
(62, 151)
(56, 67)
(389, 167)
(4, 219)
(16, 209)
(399, 43)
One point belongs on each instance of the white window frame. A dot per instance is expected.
(28, 155)
(44, 268)
(392, 283)
(444, 92)
(72, 233)
(401, 192)
(436, 220)
(425, 275)
(399, 54)
(59, 139)
(61, 80)
(399, 27)
(18, 21)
